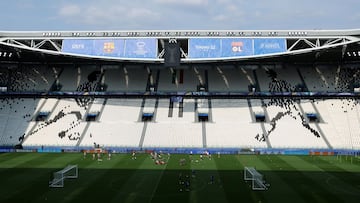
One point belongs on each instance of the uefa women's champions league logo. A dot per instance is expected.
(140, 48)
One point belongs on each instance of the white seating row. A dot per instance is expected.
(232, 124)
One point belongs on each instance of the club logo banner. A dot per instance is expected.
(269, 46)
(76, 46)
(204, 48)
(108, 47)
(234, 47)
(119, 48)
(140, 48)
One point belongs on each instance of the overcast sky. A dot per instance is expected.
(178, 14)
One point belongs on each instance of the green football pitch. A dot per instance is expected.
(24, 177)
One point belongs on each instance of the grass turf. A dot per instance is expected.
(24, 177)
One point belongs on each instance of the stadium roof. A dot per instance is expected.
(202, 46)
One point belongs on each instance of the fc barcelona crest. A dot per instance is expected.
(109, 47)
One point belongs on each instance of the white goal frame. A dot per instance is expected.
(257, 181)
(70, 171)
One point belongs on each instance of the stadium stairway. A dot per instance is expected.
(102, 109)
(322, 134)
(302, 80)
(181, 109)
(203, 126)
(37, 122)
(319, 130)
(83, 133)
(171, 108)
(100, 85)
(265, 111)
(203, 123)
(251, 110)
(157, 80)
(265, 135)
(210, 119)
(206, 75)
(257, 85)
(150, 80)
(196, 119)
(155, 109)
(143, 132)
(56, 86)
(262, 124)
(141, 109)
(267, 140)
(89, 110)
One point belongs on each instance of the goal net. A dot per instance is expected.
(70, 171)
(257, 181)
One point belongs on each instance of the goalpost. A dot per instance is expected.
(257, 181)
(70, 171)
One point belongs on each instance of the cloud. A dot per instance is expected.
(178, 14)
(69, 10)
(104, 15)
(220, 17)
(142, 13)
(184, 2)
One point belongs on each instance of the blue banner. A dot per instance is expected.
(204, 48)
(78, 46)
(108, 47)
(234, 47)
(269, 46)
(231, 47)
(220, 48)
(140, 48)
(119, 48)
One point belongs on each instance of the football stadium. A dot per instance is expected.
(180, 116)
